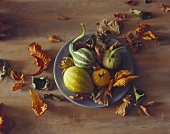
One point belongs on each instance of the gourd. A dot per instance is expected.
(112, 58)
(82, 57)
(101, 77)
(78, 80)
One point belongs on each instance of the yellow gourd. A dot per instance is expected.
(101, 77)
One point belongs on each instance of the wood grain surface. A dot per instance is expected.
(36, 20)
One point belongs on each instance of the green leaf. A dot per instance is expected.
(139, 95)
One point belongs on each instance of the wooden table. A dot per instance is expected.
(36, 20)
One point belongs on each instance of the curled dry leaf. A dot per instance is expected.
(133, 42)
(122, 78)
(38, 106)
(144, 109)
(109, 88)
(151, 103)
(112, 26)
(131, 2)
(101, 98)
(125, 106)
(6, 124)
(165, 7)
(81, 96)
(54, 39)
(16, 76)
(141, 29)
(3, 69)
(66, 63)
(42, 58)
(120, 16)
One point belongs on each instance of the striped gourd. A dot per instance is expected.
(82, 57)
(78, 80)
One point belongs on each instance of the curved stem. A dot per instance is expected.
(114, 51)
(79, 37)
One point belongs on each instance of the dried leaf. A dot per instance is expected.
(125, 106)
(141, 29)
(101, 98)
(38, 106)
(144, 109)
(124, 81)
(133, 42)
(151, 103)
(3, 69)
(54, 39)
(53, 97)
(63, 18)
(139, 95)
(15, 75)
(81, 96)
(66, 63)
(112, 26)
(149, 35)
(6, 124)
(42, 58)
(120, 16)
(40, 83)
(131, 2)
(122, 74)
(109, 89)
(19, 85)
(165, 7)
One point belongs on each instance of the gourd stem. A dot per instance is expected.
(71, 47)
(115, 51)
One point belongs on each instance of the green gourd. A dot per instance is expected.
(78, 80)
(82, 57)
(112, 58)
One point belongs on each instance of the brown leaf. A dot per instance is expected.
(131, 2)
(18, 85)
(54, 39)
(38, 106)
(151, 103)
(110, 86)
(121, 74)
(15, 75)
(125, 106)
(42, 58)
(102, 98)
(144, 109)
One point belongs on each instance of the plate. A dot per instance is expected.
(118, 92)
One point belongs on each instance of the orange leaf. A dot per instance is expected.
(38, 106)
(18, 85)
(42, 58)
(14, 75)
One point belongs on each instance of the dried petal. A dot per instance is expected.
(42, 58)
(38, 106)
(125, 106)
(54, 39)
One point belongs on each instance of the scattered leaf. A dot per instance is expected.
(125, 106)
(6, 124)
(151, 103)
(54, 39)
(53, 97)
(131, 2)
(19, 85)
(101, 98)
(109, 88)
(122, 78)
(40, 83)
(112, 26)
(142, 28)
(144, 109)
(63, 18)
(38, 106)
(120, 16)
(133, 42)
(3, 69)
(165, 7)
(139, 95)
(15, 75)
(42, 58)
(66, 63)
(81, 96)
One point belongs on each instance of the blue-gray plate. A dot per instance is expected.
(118, 92)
